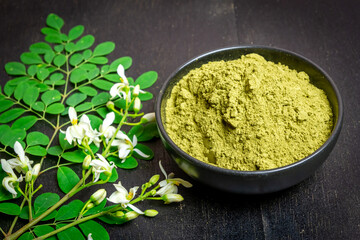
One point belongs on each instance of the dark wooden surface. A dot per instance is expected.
(160, 36)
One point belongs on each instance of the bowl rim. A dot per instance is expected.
(210, 167)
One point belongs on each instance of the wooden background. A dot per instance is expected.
(162, 35)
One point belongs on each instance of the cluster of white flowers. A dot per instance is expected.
(21, 164)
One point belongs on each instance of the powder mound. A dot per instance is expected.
(248, 114)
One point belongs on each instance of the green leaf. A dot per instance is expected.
(76, 156)
(31, 94)
(75, 99)
(25, 214)
(87, 54)
(38, 106)
(45, 201)
(63, 143)
(15, 68)
(42, 230)
(101, 98)
(69, 211)
(93, 73)
(76, 59)
(84, 43)
(125, 61)
(102, 84)
(53, 38)
(112, 77)
(113, 178)
(67, 179)
(146, 96)
(110, 219)
(55, 108)
(20, 90)
(71, 233)
(6, 104)
(59, 60)
(130, 163)
(42, 73)
(49, 56)
(147, 79)
(76, 32)
(26, 236)
(78, 75)
(24, 123)
(32, 70)
(54, 21)
(96, 209)
(10, 209)
(50, 97)
(98, 60)
(86, 90)
(83, 107)
(40, 48)
(88, 66)
(9, 136)
(136, 130)
(59, 48)
(47, 31)
(37, 138)
(36, 151)
(31, 58)
(150, 131)
(11, 114)
(144, 149)
(97, 231)
(55, 151)
(104, 49)
(70, 47)
(95, 121)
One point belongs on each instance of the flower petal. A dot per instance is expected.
(7, 167)
(19, 150)
(141, 153)
(135, 209)
(162, 169)
(109, 119)
(72, 114)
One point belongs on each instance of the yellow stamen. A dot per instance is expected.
(74, 121)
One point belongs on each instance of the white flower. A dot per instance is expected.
(121, 90)
(11, 180)
(169, 185)
(136, 90)
(101, 166)
(21, 163)
(121, 72)
(137, 105)
(125, 146)
(98, 196)
(89, 237)
(106, 129)
(78, 131)
(149, 117)
(122, 196)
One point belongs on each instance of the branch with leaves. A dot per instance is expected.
(59, 77)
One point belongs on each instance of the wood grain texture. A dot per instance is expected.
(162, 35)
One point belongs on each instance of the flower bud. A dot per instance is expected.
(151, 213)
(154, 179)
(98, 196)
(86, 162)
(28, 176)
(36, 170)
(131, 215)
(110, 105)
(152, 192)
(149, 117)
(136, 90)
(137, 105)
(172, 197)
(90, 205)
(119, 214)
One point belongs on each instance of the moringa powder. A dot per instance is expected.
(248, 114)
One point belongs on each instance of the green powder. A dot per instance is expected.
(248, 114)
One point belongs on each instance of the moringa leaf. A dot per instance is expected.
(48, 31)
(50, 97)
(40, 48)
(54, 21)
(20, 90)
(104, 49)
(32, 70)
(44, 202)
(75, 32)
(11, 114)
(146, 96)
(83, 107)
(36, 151)
(101, 98)
(42, 73)
(24, 123)
(147, 79)
(15, 68)
(31, 58)
(55, 151)
(97, 231)
(69, 211)
(53, 38)
(89, 91)
(42, 230)
(59, 60)
(5, 104)
(76, 156)
(76, 59)
(67, 179)
(78, 75)
(26, 236)
(31, 94)
(70, 233)
(84, 43)
(38, 106)
(125, 61)
(10, 208)
(102, 84)
(55, 108)
(129, 163)
(75, 99)
(59, 48)
(87, 54)
(49, 56)
(37, 138)
(92, 73)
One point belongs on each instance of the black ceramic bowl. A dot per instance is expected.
(252, 182)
